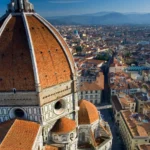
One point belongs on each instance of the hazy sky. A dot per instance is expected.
(69, 7)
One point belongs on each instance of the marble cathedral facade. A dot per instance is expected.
(39, 106)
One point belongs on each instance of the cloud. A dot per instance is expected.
(65, 1)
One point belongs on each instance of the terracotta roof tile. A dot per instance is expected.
(49, 147)
(64, 125)
(64, 44)
(52, 63)
(4, 128)
(21, 136)
(144, 147)
(95, 85)
(141, 131)
(137, 128)
(15, 60)
(88, 113)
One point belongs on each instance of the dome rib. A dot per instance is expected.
(3, 23)
(52, 63)
(15, 66)
(88, 113)
(60, 40)
(32, 53)
(51, 60)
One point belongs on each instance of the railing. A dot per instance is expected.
(104, 107)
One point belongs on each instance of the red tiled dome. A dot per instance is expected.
(88, 113)
(53, 63)
(64, 125)
(49, 147)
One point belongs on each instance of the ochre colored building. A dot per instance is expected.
(38, 97)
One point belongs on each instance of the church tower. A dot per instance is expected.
(37, 73)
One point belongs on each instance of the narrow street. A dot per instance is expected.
(106, 91)
(107, 114)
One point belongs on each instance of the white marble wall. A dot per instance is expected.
(92, 96)
(32, 113)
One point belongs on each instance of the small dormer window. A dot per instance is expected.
(14, 90)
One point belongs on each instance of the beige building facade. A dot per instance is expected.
(134, 132)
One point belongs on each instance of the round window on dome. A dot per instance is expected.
(19, 113)
(59, 107)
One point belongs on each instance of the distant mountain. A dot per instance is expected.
(99, 13)
(102, 18)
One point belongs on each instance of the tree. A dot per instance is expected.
(78, 49)
(103, 57)
(127, 54)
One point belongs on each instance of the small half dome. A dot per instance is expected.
(63, 126)
(88, 113)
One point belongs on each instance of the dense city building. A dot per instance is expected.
(39, 106)
(134, 129)
(72, 86)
